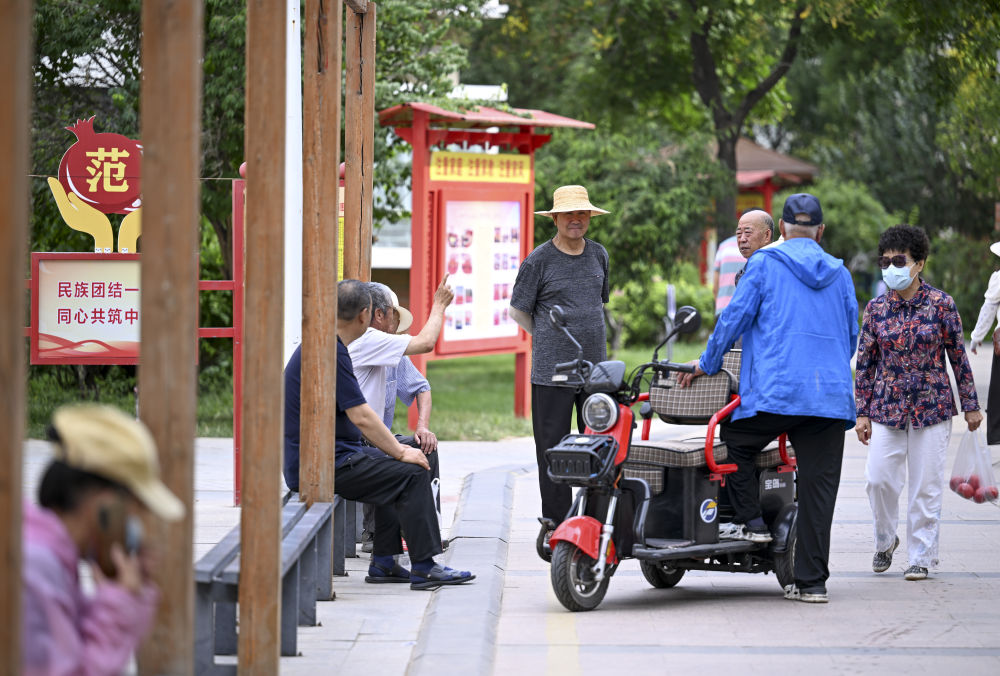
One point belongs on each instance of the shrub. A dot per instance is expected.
(961, 267)
(639, 307)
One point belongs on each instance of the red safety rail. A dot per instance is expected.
(789, 463)
(647, 423)
(718, 472)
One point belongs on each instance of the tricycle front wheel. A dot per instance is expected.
(573, 578)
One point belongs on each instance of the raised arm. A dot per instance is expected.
(424, 341)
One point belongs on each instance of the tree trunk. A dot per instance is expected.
(725, 208)
(224, 231)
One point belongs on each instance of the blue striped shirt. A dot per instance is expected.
(403, 381)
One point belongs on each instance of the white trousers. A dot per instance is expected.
(917, 456)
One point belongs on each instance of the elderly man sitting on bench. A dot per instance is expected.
(389, 475)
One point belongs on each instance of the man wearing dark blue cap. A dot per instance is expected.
(801, 298)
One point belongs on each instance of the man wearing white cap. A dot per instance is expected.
(380, 357)
(104, 472)
(377, 351)
(570, 271)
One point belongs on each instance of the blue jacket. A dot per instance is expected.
(796, 310)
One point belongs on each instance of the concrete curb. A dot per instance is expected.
(458, 632)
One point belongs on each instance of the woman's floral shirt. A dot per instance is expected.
(900, 371)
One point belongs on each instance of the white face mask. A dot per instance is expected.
(896, 278)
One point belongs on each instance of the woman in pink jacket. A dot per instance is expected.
(104, 472)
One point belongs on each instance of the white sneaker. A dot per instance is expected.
(740, 531)
(729, 531)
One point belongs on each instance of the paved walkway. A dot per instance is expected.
(508, 620)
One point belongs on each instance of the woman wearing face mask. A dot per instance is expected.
(904, 399)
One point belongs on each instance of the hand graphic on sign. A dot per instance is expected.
(81, 216)
(129, 231)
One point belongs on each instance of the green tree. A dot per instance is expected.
(713, 66)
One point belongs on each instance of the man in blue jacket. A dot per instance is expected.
(796, 310)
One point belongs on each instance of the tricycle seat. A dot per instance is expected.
(648, 459)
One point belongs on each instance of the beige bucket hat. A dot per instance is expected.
(105, 441)
(571, 198)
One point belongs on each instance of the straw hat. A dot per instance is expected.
(104, 441)
(571, 198)
(995, 248)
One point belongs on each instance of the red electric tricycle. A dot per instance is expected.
(656, 501)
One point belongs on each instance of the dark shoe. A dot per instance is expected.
(438, 576)
(883, 560)
(542, 542)
(915, 573)
(379, 575)
(810, 595)
(367, 541)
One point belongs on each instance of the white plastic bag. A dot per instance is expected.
(972, 474)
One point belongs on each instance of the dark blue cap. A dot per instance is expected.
(802, 203)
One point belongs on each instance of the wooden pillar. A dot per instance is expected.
(320, 172)
(263, 403)
(15, 121)
(170, 109)
(359, 139)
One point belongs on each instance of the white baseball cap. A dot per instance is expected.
(405, 316)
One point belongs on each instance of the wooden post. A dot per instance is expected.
(359, 139)
(170, 101)
(15, 121)
(368, 138)
(321, 141)
(263, 403)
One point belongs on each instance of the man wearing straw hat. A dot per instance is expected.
(571, 271)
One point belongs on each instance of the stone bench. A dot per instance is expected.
(308, 536)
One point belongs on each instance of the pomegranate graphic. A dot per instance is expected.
(102, 169)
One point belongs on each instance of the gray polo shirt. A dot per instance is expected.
(579, 284)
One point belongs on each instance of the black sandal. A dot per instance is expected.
(438, 576)
(379, 575)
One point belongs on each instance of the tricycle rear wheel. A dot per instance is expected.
(660, 577)
(573, 578)
(784, 563)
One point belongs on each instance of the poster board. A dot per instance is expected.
(85, 308)
(481, 244)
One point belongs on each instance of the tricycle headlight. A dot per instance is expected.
(600, 412)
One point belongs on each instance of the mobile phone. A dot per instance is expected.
(116, 525)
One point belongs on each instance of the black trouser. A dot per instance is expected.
(368, 511)
(993, 403)
(401, 494)
(551, 415)
(819, 453)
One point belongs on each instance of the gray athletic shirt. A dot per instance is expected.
(579, 284)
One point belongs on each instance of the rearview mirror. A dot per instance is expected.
(557, 316)
(687, 320)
